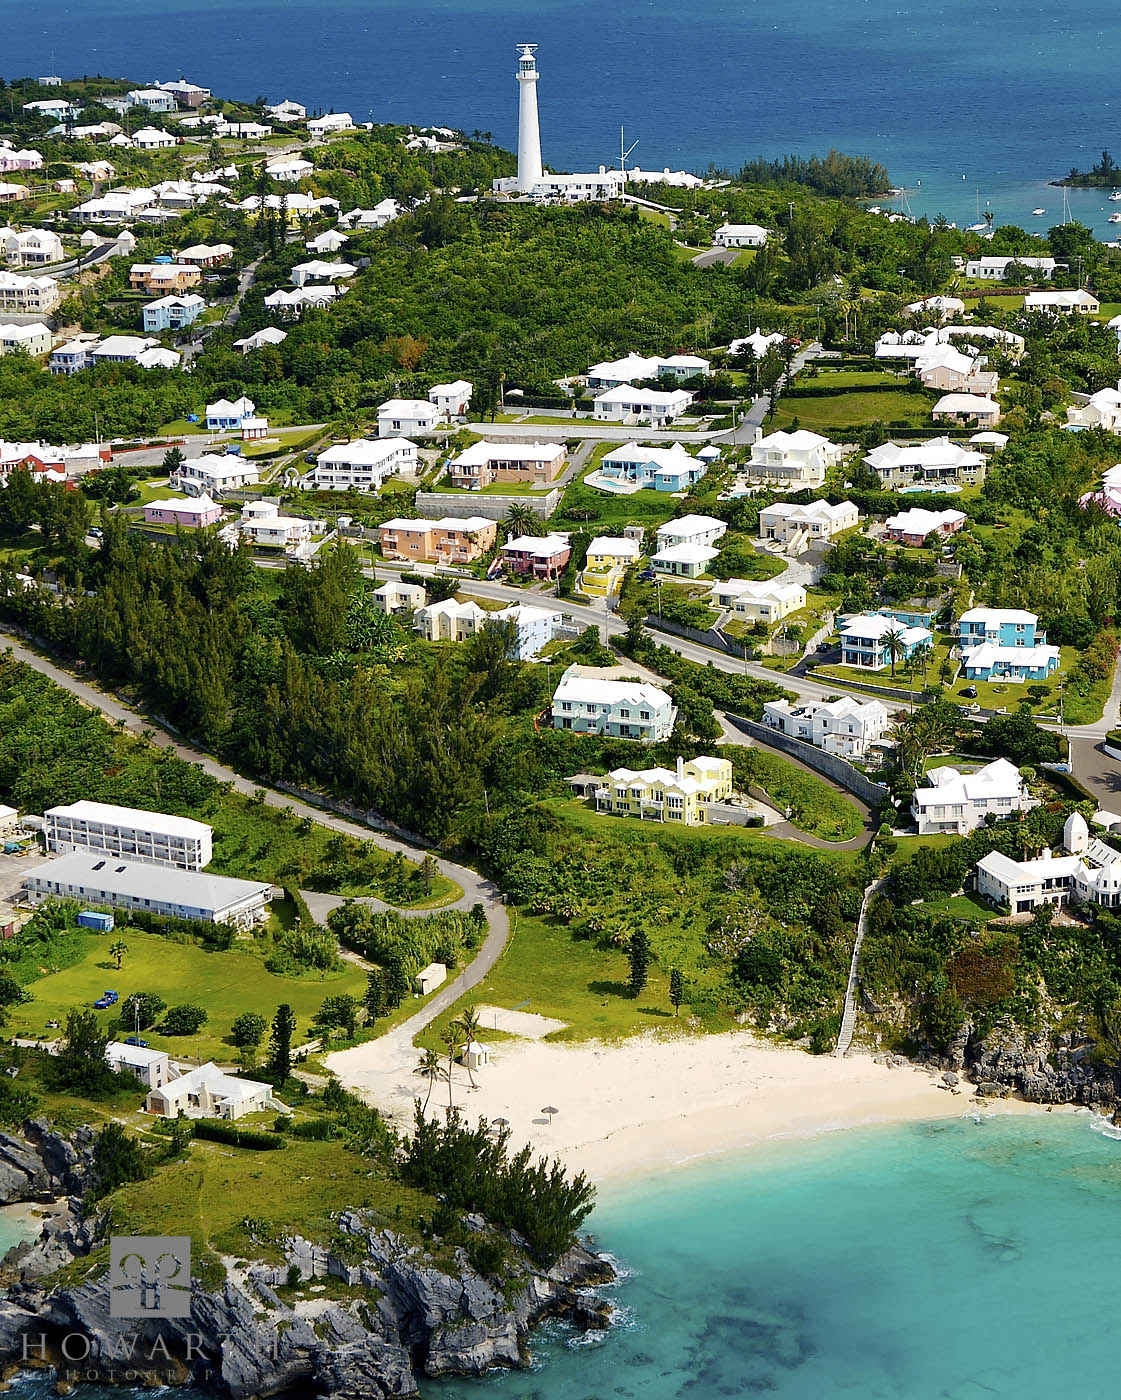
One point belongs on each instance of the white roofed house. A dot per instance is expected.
(686, 560)
(213, 473)
(384, 212)
(452, 399)
(362, 465)
(288, 169)
(396, 598)
(945, 368)
(287, 111)
(967, 408)
(1089, 873)
(740, 236)
(333, 121)
(1077, 303)
(12, 193)
(35, 339)
(268, 336)
(912, 527)
(758, 600)
(31, 247)
(205, 254)
(938, 460)
(690, 529)
(867, 641)
(209, 1092)
(756, 344)
(485, 463)
(593, 701)
(846, 726)
(330, 241)
(21, 294)
(626, 404)
(223, 415)
(959, 802)
(792, 459)
(796, 528)
(906, 345)
(151, 1067)
(681, 794)
(942, 307)
(316, 270)
(262, 522)
(534, 628)
(151, 139)
(632, 368)
(995, 268)
(408, 418)
(1101, 410)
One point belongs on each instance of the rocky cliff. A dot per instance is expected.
(384, 1315)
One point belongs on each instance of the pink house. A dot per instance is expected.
(1108, 497)
(195, 513)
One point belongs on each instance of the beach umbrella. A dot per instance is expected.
(500, 1122)
(550, 1111)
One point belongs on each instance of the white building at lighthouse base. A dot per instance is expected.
(567, 189)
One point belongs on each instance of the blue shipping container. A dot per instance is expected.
(90, 918)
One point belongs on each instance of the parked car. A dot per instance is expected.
(109, 998)
(969, 691)
(647, 575)
(135, 1040)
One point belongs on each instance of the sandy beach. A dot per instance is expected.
(657, 1102)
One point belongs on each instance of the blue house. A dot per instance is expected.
(655, 468)
(989, 662)
(172, 313)
(864, 641)
(224, 416)
(1002, 627)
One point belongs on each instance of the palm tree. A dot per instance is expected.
(893, 645)
(429, 1065)
(118, 950)
(469, 1027)
(923, 655)
(451, 1040)
(522, 519)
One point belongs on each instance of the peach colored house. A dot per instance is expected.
(199, 512)
(447, 541)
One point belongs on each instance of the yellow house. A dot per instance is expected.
(606, 562)
(661, 795)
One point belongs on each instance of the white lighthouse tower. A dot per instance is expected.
(529, 130)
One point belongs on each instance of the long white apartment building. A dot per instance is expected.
(362, 465)
(959, 802)
(845, 726)
(128, 831)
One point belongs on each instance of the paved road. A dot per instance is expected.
(1091, 765)
(588, 428)
(715, 255)
(744, 431)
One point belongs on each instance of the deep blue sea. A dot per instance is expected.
(969, 103)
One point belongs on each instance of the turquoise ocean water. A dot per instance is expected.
(967, 102)
(952, 1260)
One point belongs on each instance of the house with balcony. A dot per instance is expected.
(797, 528)
(758, 600)
(633, 368)
(1004, 644)
(914, 527)
(1006, 627)
(486, 464)
(846, 726)
(865, 641)
(22, 295)
(263, 525)
(791, 460)
(626, 404)
(31, 247)
(363, 465)
(205, 254)
(596, 700)
(446, 541)
(605, 563)
(959, 802)
(408, 418)
(129, 832)
(319, 127)
(936, 462)
(683, 794)
(172, 313)
(538, 556)
(215, 472)
(1089, 873)
(157, 279)
(949, 370)
(633, 468)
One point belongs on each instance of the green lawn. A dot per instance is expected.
(608, 514)
(998, 300)
(1107, 310)
(854, 411)
(850, 378)
(960, 906)
(225, 983)
(654, 216)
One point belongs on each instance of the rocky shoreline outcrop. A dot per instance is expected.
(371, 1314)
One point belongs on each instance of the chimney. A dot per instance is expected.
(1045, 854)
(680, 768)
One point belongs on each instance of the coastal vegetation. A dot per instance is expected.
(1106, 174)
